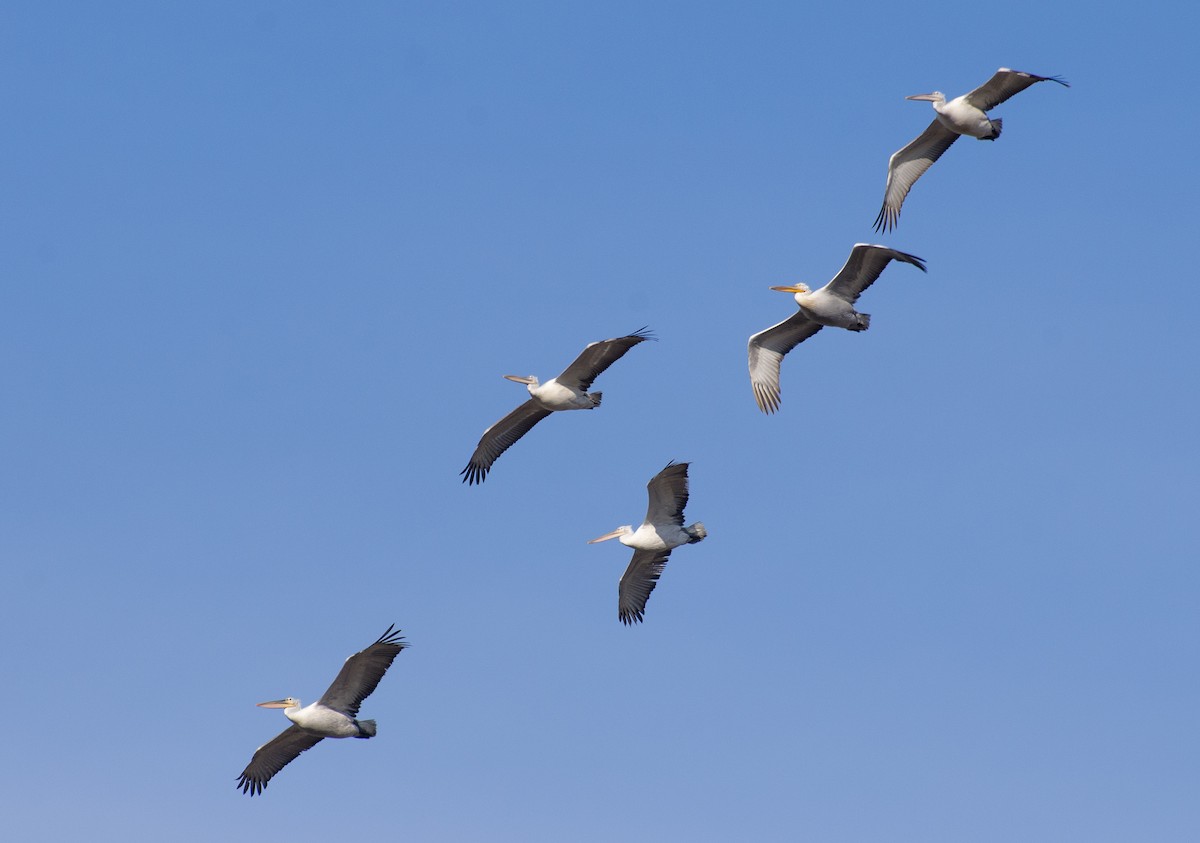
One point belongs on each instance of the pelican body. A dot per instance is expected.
(335, 715)
(553, 395)
(832, 306)
(568, 391)
(652, 542)
(965, 115)
(318, 719)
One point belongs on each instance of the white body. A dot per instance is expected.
(962, 118)
(321, 720)
(658, 537)
(553, 395)
(828, 309)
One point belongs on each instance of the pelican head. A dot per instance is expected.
(936, 96)
(286, 702)
(794, 288)
(528, 380)
(623, 530)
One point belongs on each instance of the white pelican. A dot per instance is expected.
(652, 543)
(568, 391)
(332, 716)
(831, 305)
(960, 116)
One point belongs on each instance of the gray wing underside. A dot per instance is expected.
(767, 349)
(668, 492)
(597, 357)
(500, 437)
(637, 582)
(909, 164)
(273, 756)
(1006, 83)
(360, 675)
(864, 265)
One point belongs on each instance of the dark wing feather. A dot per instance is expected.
(767, 349)
(273, 756)
(864, 265)
(909, 164)
(499, 438)
(597, 357)
(1004, 84)
(668, 495)
(637, 582)
(361, 673)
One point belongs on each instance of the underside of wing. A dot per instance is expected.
(361, 673)
(1004, 84)
(597, 357)
(499, 438)
(273, 756)
(767, 349)
(864, 265)
(908, 165)
(668, 492)
(636, 584)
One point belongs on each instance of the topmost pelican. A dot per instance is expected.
(960, 116)
(568, 391)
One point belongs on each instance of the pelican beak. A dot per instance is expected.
(274, 704)
(525, 379)
(606, 537)
(922, 97)
(794, 288)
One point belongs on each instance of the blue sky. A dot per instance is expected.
(265, 263)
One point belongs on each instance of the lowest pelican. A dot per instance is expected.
(332, 716)
(831, 305)
(963, 115)
(652, 543)
(568, 391)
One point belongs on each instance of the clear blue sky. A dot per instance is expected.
(265, 263)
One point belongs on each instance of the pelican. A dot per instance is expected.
(652, 543)
(960, 116)
(332, 716)
(831, 305)
(568, 391)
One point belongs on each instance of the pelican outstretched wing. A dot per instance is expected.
(909, 164)
(499, 438)
(597, 357)
(637, 582)
(864, 265)
(767, 349)
(668, 495)
(361, 673)
(1004, 84)
(273, 756)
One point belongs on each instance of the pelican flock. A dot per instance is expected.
(965, 115)
(652, 542)
(335, 714)
(832, 305)
(568, 391)
(332, 716)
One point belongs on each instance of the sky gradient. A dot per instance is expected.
(265, 264)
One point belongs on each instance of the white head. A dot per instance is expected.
(935, 97)
(530, 381)
(286, 702)
(623, 530)
(798, 290)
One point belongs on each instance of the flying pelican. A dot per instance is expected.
(831, 305)
(568, 391)
(332, 716)
(960, 116)
(652, 543)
